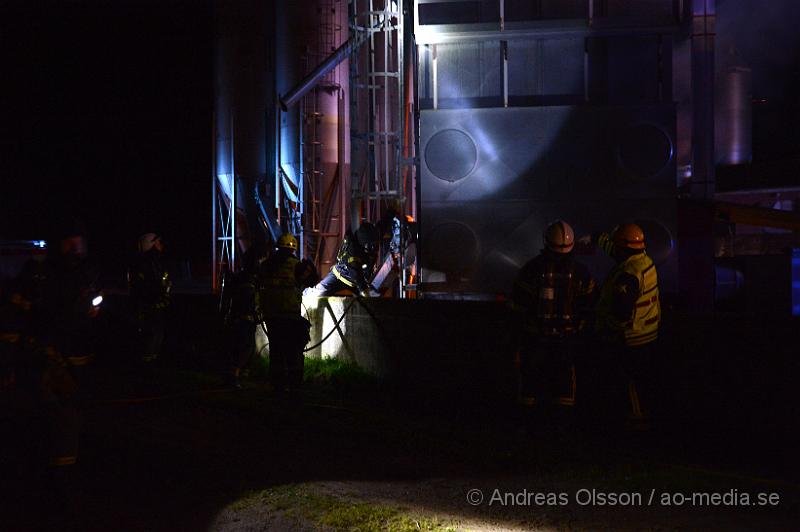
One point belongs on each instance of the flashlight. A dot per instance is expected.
(96, 301)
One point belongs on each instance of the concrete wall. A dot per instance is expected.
(444, 343)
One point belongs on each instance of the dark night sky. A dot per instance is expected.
(106, 116)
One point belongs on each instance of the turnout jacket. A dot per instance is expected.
(553, 294)
(353, 267)
(628, 308)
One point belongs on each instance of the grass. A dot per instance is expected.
(319, 370)
(335, 372)
(303, 504)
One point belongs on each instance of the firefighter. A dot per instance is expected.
(41, 355)
(240, 316)
(551, 297)
(281, 281)
(397, 250)
(354, 266)
(627, 318)
(70, 300)
(150, 288)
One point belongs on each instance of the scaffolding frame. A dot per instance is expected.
(377, 77)
(223, 211)
(383, 120)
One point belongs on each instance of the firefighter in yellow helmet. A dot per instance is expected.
(281, 281)
(552, 298)
(628, 313)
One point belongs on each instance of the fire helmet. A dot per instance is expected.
(147, 241)
(559, 237)
(287, 241)
(628, 236)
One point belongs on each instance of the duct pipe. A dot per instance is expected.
(306, 84)
(704, 14)
(734, 117)
(268, 221)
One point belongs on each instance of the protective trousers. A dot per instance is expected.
(287, 338)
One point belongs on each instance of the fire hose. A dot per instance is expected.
(333, 329)
(356, 298)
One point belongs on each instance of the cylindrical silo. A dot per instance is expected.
(733, 129)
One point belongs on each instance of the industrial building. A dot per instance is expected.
(462, 130)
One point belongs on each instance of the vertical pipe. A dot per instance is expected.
(660, 63)
(586, 66)
(435, 62)
(696, 229)
(415, 128)
(278, 118)
(703, 98)
(416, 192)
(733, 116)
(374, 178)
(401, 154)
(504, 50)
(387, 40)
(213, 202)
(301, 200)
(343, 195)
(232, 211)
(399, 164)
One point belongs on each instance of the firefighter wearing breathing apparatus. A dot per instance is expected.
(551, 298)
(54, 304)
(150, 288)
(71, 301)
(354, 266)
(239, 302)
(628, 314)
(281, 281)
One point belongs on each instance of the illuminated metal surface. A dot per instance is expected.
(442, 21)
(534, 165)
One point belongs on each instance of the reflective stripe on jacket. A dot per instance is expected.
(279, 295)
(552, 294)
(642, 326)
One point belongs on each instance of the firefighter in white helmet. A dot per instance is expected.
(552, 296)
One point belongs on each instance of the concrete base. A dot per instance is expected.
(416, 339)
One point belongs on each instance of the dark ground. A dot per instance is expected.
(170, 447)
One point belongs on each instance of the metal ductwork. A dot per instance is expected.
(304, 86)
(733, 130)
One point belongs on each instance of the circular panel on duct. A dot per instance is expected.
(451, 155)
(644, 150)
(451, 247)
(658, 239)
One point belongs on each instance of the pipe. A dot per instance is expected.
(307, 83)
(214, 204)
(267, 220)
